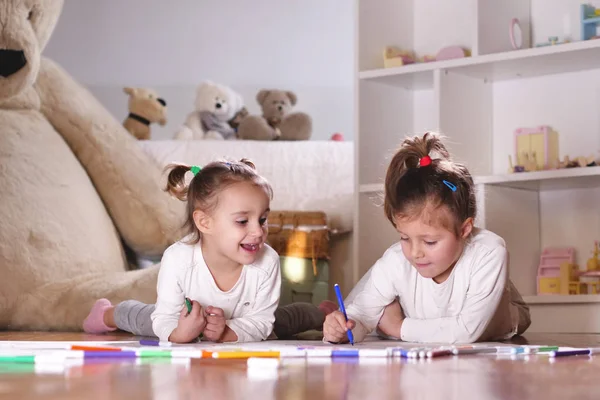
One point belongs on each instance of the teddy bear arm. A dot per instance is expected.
(211, 123)
(194, 122)
(126, 178)
(63, 305)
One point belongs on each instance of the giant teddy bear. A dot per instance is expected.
(74, 187)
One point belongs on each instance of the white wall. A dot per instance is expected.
(301, 45)
(557, 18)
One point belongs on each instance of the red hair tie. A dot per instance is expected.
(425, 161)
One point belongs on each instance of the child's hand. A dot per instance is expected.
(215, 323)
(190, 325)
(335, 327)
(390, 323)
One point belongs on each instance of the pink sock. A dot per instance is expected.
(94, 322)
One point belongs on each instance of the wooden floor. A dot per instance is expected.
(465, 377)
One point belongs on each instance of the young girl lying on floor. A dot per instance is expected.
(230, 275)
(445, 281)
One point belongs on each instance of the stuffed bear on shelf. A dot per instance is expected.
(215, 106)
(145, 107)
(277, 122)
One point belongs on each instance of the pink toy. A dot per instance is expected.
(514, 31)
(337, 137)
(450, 53)
(550, 261)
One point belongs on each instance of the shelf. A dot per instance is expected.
(532, 62)
(560, 179)
(562, 299)
(371, 188)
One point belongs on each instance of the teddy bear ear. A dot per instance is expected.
(203, 85)
(292, 97)
(129, 90)
(262, 95)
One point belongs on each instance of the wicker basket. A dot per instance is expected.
(303, 234)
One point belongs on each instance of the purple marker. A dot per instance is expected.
(149, 343)
(109, 354)
(565, 353)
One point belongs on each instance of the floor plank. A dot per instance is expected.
(464, 378)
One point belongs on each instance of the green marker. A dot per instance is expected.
(189, 308)
(154, 354)
(18, 359)
(542, 349)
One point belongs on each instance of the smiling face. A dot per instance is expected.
(429, 245)
(236, 229)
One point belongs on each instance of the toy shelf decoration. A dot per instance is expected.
(590, 18)
(559, 274)
(554, 269)
(396, 57)
(535, 149)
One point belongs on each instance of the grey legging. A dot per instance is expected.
(134, 316)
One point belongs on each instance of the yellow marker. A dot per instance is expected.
(246, 354)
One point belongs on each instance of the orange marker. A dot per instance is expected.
(95, 348)
(245, 354)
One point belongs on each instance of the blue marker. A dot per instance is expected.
(344, 353)
(338, 293)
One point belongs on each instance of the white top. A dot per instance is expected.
(475, 296)
(249, 306)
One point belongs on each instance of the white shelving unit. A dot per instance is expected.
(478, 102)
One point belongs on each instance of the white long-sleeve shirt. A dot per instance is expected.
(473, 304)
(249, 306)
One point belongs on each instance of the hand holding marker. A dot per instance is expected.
(188, 304)
(338, 293)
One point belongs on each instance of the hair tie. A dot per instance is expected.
(195, 169)
(425, 161)
(450, 185)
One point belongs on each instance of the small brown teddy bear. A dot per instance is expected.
(145, 107)
(237, 118)
(277, 121)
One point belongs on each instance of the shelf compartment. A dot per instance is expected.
(559, 179)
(562, 299)
(533, 62)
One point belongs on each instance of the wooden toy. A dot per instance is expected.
(538, 143)
(551, 271)
(529, 161)
(589, 18)
(593, 264)
(394, 57)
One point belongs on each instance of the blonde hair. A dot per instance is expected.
(411, 185)
(202, 191)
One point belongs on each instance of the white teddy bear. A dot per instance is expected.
(215, 105)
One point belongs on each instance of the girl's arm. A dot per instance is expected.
(170, 297)
(372, 293)
(257, 325)
(486, 287)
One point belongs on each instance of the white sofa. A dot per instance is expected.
(305, 175)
